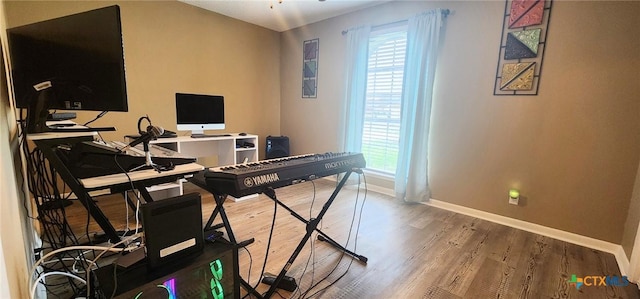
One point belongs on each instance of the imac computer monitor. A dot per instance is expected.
(81, 55)
(196, 112)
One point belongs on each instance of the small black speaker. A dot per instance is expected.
(277, 147)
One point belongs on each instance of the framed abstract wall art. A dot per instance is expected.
(310, 49)
(522, 45)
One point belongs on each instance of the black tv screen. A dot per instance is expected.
(81, 55)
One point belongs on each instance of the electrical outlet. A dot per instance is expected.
(514, 196)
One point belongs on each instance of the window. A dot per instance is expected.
(385, 73)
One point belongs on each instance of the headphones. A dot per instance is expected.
(140, 123)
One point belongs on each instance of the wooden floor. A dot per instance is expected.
(413, 250)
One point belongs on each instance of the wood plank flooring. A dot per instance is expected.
(413, 250)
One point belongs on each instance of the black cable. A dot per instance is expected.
(266, 255)
(115, 282)
(303, 295)
(347, 243)
(250, 265)
(101, 114)
(86, 227)
(311, 245)
(355, 247)
(22, 140)
(115, 159)
(42, 182)
(273, 223)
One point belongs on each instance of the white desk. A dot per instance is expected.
(229, 150)
(224, 147)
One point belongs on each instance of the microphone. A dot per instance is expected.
(153, 132)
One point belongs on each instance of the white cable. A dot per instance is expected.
(73, 266)
(99, 256)
(112, 249)
(126, 208)
(41, 260)
(74, 259)
(137, 213)
(77, 259)
(35, 285)
(57, 261)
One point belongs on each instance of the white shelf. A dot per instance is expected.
(224, 147)
(163, 187)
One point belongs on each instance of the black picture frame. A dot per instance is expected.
(310, 51)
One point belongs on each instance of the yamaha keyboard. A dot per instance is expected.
(250, 178)
(96, 158)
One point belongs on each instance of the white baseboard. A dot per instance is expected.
(623, 262)
(370, 187)
(381, 190)
(615, 249)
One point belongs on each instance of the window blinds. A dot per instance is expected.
(385, 75)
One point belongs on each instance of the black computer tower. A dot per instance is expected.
(212, 274)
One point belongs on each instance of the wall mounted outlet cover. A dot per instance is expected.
(514, 196)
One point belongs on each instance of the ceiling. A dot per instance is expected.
(282, 15)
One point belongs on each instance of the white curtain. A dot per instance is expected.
(355, 87)
(634, 263)
(423, 36)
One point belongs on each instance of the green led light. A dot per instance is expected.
(513, 193)
(216, 269)
(216, 289)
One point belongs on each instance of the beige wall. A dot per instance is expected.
(633, 219)
(573, 150)
(15, 227)
(174, 47)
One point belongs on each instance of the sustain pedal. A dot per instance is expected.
(287, 283)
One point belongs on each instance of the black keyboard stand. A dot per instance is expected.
(321, 235)
(49, 149)
(311, 226)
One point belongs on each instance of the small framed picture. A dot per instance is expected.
(310, 50)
